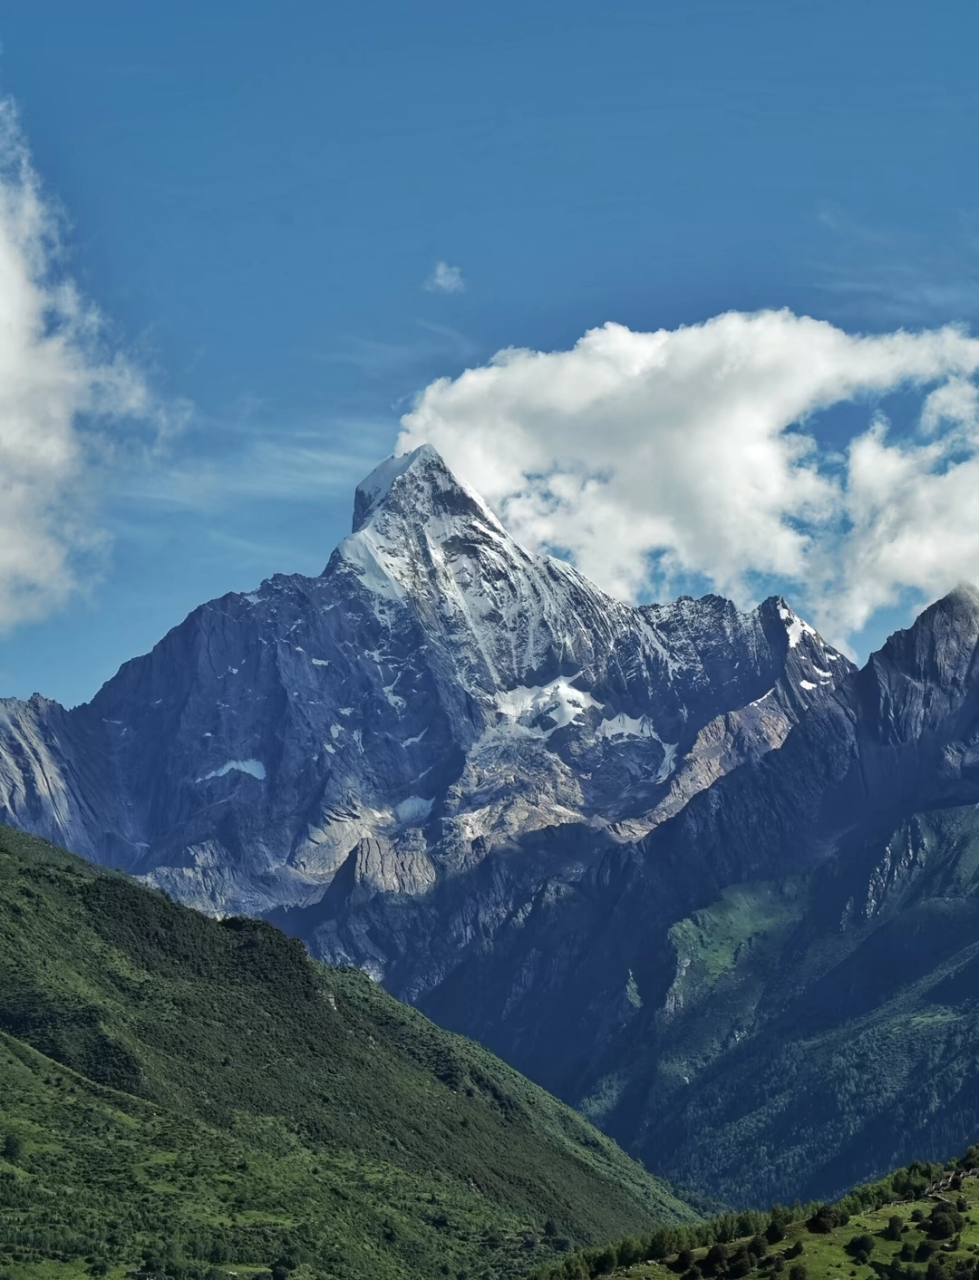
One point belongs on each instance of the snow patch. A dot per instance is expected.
(669, 760)
(414, 810)
(795, 627)
(395, 701)
(365, 555)
(253, 767)
(320, 662)
(559, 701)
(410, 742)
(623, 726)
(827, 675)
(807, 684)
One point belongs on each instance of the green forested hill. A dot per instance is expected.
(919, 1223)
(187, 1095)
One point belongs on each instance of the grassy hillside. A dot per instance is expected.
(196, 1096)
(919, 1223)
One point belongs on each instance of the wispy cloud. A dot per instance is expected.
(693, 452)
(896, 276)
(445, 279)
(381, 359)
(297, 467)
(61, 389)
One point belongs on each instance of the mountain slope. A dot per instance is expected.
(772, 971)
(918, 1223)
(435, 694)
(172, 1081)
(813, 1009)
(835, 1029)
(634, 851)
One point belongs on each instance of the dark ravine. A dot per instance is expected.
(670, 861)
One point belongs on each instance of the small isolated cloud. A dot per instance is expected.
(57, 381)
(445, 279)
(650, 457)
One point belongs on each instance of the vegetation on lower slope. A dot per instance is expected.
(190, 1096)
(819, 1030)
(919, 1223)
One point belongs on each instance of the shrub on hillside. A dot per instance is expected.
(827, 1218)
(741, 1264)
(862, 1244)
(630, 1250)
(716, 1260)
(605, 1262)
(944, 1222)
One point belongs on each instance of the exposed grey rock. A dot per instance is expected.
(508, 796)
(436, 694)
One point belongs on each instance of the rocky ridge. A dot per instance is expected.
(627, 848)
(435, 694)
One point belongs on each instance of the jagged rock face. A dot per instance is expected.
(435, 694)
(525, 805)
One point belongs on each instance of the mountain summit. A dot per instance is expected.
(417, 485)
(436, 693)
(639, 851)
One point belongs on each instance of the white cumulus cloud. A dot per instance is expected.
(56, 382)
(647, 457)
(445, 279)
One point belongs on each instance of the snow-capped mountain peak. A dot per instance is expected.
(417, 486)
(438, 691)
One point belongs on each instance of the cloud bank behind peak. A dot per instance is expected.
(654, 458)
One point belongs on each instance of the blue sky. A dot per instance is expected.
(254, 197)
